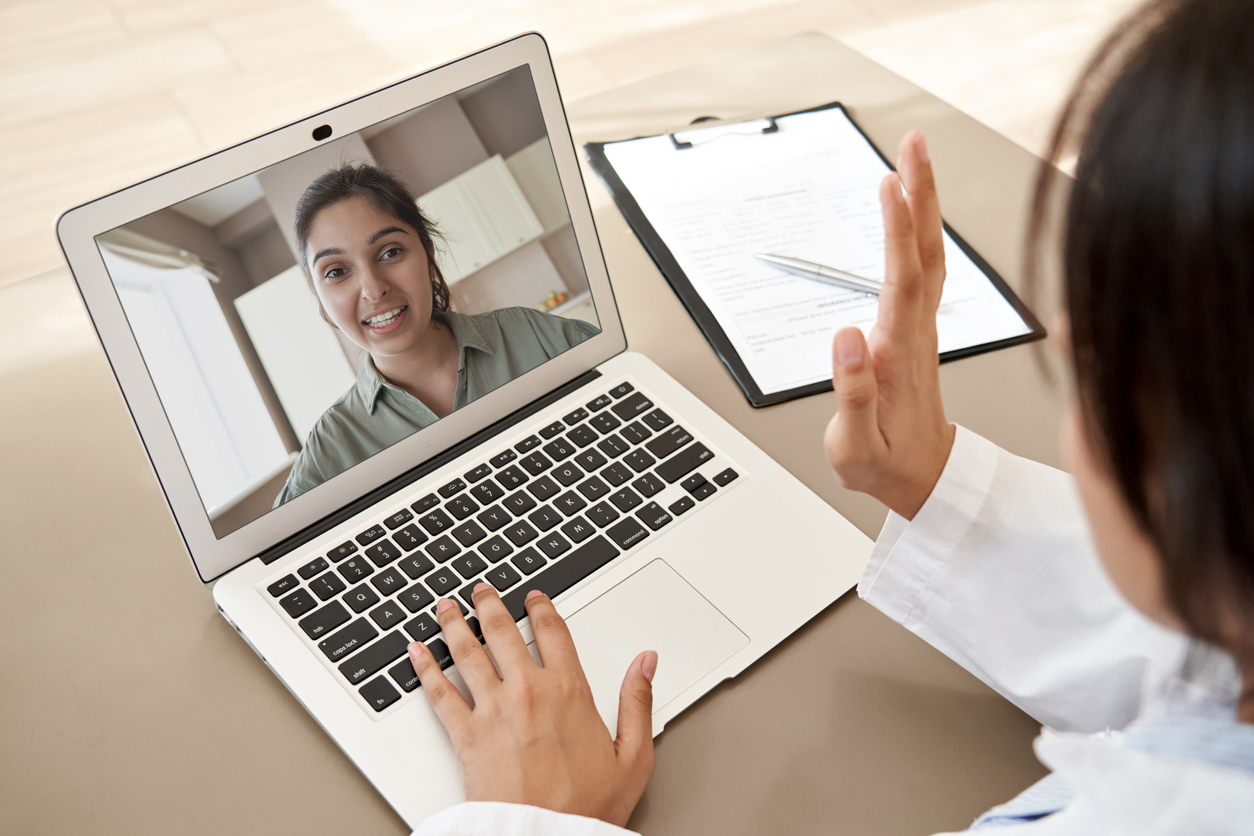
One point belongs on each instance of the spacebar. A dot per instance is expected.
(562, 575)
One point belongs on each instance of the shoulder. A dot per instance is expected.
(321, 455)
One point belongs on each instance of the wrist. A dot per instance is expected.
(922, 480)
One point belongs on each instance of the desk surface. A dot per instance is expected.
(132, 707)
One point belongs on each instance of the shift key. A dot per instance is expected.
(684, 462)
(373, 659)
(340, 644)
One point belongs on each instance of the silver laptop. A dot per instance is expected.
(329, 509)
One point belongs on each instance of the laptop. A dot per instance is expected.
(328, 509)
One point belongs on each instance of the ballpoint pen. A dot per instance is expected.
(820, 273)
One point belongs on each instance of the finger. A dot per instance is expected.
(449, 704)
(504, 640)
(853, 380)
(901, 297)
(553, 640)
(469, 656)
(915, 169)
(634, 742)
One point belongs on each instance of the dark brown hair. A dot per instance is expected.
(1158, 267)
(385, 191)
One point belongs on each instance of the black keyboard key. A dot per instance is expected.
(371, 534)
(528, 561)
(654, 516)
(338, 645)
(553, 545)
(494, 518)
(520, 533)
(379, 693)
(567, 474)
(461, 506)
(545, 518)
(616, 474)
(570, 503)
(502, 458)
(627, 533)
(648, 485)
(324, 620)
(693, 482)
(422, 627)
(632, 406)
(375, 658)
(684, 462)
(639, 460)
(454, 487)
(480, 473)
(527, 444)
(284, 584)
(558, 449)
(536, 463)
(487, 492)
(704, 491)
(725, 478)
(467, 593)
(679, 506)
(435, 521)
(562, 575)
(398, 519)
(342, 551)
(552, 429)
(327, 586)
(625, 499)
(613, 446)
(298, 603)
(443, 548)
(495, 549)
(416, 565)
(601, 402)
(360, 597)
(443, 581)
(602, 514)
(582, 436)
(621, 389)
(635, 432)
(311, 568)
(469, 533)
(425, 504)
(440, 652)
(605, 422)
(475, 629)
(512, 478)
(415, 597)
(503, 577)
(469, 565)
(589, 460)
(669, 441)
(383, 553)
(389, 582)
(578, 530)
(387, 615)
(593, 488)
(403, 674)
(575, 417)
(543, 488)
(521, 502)
(356, 569)
(409, 538)
(657, 420)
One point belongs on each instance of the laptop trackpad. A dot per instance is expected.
(654, 609)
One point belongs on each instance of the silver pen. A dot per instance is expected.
(821, 273)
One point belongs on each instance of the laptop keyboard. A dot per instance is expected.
(543, 514)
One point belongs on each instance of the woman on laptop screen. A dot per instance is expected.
(369, 253)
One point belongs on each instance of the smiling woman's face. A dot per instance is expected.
(372, 275)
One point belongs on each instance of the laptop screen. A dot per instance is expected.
(302, 319)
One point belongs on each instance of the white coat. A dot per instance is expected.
(997, 570)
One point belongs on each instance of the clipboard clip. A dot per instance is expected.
(700, 136)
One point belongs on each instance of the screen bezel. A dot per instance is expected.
(78, 228)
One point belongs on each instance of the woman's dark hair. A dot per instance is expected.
(1158, 266)
(385, 191)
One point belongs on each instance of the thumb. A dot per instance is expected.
(635, 712)
(853, 379)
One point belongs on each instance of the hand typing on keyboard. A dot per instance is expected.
(534, 735)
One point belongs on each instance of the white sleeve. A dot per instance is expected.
(997, 571)
(492, 818)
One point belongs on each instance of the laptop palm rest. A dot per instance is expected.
(653, 609)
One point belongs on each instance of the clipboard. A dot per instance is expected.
(684, 141)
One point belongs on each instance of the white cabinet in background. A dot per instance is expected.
(536, 173)
(483, 215)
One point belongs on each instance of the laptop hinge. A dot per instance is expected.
(431, 465)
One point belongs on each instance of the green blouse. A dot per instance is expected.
(493, 349)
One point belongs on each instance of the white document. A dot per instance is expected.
(810, 191)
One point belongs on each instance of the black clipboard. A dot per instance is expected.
(706, 320)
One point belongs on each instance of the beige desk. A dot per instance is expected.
(129, 706)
